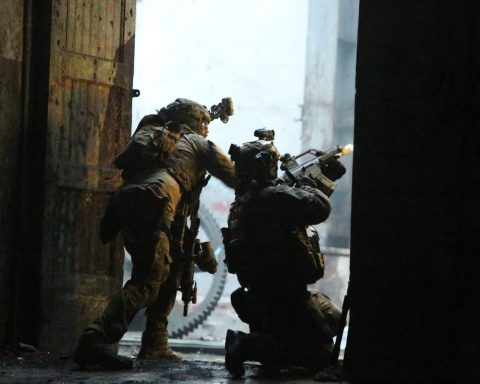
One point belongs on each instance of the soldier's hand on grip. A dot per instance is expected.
(333, 169)
(306, 181)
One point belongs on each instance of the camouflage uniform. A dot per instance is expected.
(143, 209)
(268, 248)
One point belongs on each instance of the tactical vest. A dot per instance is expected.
(246, 251)
(152, 142)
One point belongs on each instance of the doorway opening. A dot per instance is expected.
(264, 56)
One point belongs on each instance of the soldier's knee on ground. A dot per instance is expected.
(237, 298)
(245, 307)
(328, 309)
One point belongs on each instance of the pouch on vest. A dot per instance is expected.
(310, 264)
(230, 257)
(234, 255)
(237, 257)
(318, 261)
(149, 143)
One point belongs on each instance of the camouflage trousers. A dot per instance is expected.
(296, 332)
(151, 267)
(145, 213)
(155, 334)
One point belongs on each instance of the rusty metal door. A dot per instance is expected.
(89, 120)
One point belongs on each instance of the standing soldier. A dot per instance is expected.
(268, 247)
(164, 167)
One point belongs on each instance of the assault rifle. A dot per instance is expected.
(308, 163)
(188, 285)
(195, 253)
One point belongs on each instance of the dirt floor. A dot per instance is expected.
(36, 367)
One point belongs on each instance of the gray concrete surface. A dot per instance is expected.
(196, 367)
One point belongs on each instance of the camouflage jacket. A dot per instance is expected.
(166, 180)
(269, 249)
(193, 155)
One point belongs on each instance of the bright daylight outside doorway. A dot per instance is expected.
(255, 52)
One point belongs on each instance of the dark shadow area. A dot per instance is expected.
(26, 276)
(415, 208)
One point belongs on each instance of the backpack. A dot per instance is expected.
(153, 141)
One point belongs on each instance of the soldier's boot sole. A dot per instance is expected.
(87, 354)
(233, 358)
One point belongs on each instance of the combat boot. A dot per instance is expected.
(234, 352)
(92, 349)
(155, 346)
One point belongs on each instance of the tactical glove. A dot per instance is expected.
(205, 258)
(306, 181)
(321, 182)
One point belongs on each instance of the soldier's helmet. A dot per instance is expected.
(256, 160)
(185, 111)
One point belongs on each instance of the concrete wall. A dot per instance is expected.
(11, 47)
(328, 106)
(343, 119)
(415, 202)
(320, 68)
